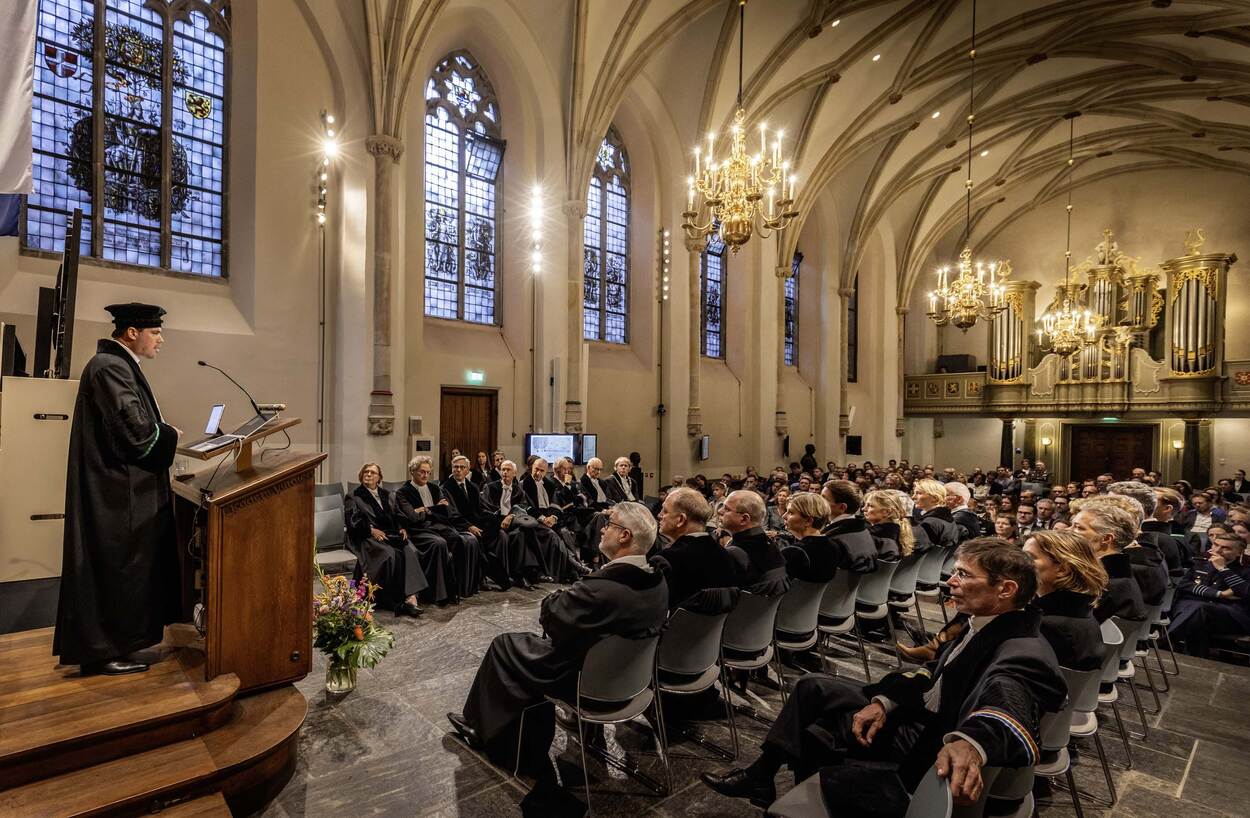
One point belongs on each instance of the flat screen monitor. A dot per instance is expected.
(550, 447)
(214, 419)
(705, 447)
(588, 448)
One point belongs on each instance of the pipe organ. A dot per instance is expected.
(1195, 282)
(1010, 331)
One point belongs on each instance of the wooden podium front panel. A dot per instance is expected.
(260, 582)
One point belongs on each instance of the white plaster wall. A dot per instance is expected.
(1230, 446)
(967, 443)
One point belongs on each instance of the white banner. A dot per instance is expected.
(17, 67)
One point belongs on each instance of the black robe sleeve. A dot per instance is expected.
(136, 437)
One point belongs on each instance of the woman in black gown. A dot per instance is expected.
(381, 545)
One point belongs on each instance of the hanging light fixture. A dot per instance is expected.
(740, 195)
(1069, 328)
(976, 291)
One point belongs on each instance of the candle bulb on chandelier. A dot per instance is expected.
(697, 153)
(933, 302)
(690, 193)
(763, 138)
(770, 203)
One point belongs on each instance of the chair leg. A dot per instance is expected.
(1176, 668)
(1106, 769)
(1154, 691)
(1124, 736)
(1163, 673)
(924, 631)
(781, 676)
(821, 651)
(729, 709)
(662, 736)
(863, 651)
(1076, 798)
(581, 745)
(889, 621)
(1141, 711)
(516, 766)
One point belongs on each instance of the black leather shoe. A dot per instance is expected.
(408, 609)
(580, 568)
(113, 667)
(466, 732)
(525, 583)
(737, 784)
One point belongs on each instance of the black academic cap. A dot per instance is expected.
(134, 314)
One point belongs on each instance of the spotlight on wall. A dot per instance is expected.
(666, 258)
(536, 230)
(1178, 444)
(1046, 441)
(329, 150)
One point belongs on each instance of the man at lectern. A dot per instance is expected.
(119, 573)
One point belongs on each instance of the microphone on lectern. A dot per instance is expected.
(236, 383)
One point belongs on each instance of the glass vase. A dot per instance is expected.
(340, 677)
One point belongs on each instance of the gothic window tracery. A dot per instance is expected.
(712, 297)
(791, 310)
(605, 308)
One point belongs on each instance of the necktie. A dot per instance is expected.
(505, 500)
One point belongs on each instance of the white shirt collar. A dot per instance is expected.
(840, 518)
(636, 560)
(133, 356)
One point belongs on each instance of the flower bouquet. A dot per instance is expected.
(345, 630)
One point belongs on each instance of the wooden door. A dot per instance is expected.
(468, 420)
(1117, 450)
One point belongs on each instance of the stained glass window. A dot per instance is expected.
(150, 173)
(605, 305)
(463, 157)
(792, 310)
(712, 297)
(852, 334)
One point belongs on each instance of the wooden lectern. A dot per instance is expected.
(255, 526)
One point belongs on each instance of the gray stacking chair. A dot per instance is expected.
(689, 662)
(1133, 631)
(903, 585)
(798, 616)
(1162, 624)
(748, 640)
(615, 685)
(871, 598)
(326, 489)
(1056, 729)
(1084, 724)
(330, 530)
(932, 799)
(1114, 640)
(837, 614)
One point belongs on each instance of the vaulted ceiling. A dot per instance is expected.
(874, 95)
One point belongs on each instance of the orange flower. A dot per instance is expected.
(360, 634)
(368, 617)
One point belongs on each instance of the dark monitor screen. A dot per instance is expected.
(550, 447)
(588, 448)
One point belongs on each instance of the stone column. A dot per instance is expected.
(1030, 438)
(694, 412)
(386, 152)
(1194, 467)
(844, 420)
(782, 422)
(574, 412)
(1007, 447)
(900, 422)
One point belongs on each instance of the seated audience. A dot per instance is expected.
(429, 517)
(1026, 518)
(806, 514)
(958, 497)
(383, 551)
(1070, 579)
(1213, 599)
(1202, 514)
(1109, 529)
(762, 570)
(504, 557)
(1005, 527)
(978, 704)
(625, 597)
(695, 560)
(775, 519)
(625, 484)
(935, 519)
(846, 530)
(890, 524)
(1044, 514)
(1149, 566)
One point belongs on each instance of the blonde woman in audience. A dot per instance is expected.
(1070, 579)
(805, 515)
(889, 524)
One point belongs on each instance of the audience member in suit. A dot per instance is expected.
(544, 495)
(1044, 510)
(761, 568)
(935, 517)
(629, 489)
(958, 495)
(695, 560)
(1026, 520)
(1109, 529)
(847, 530)
(775, 510)
(1004, 482)
(979, 703)
(504, 555)
(601, 492)
(626, 597)
(1202, 514)
(1240, 484)
(1213, 598)
(1070, 579)
(806, 514)
(385, 554)
(505, 500)
(425, 512)
(889, 523)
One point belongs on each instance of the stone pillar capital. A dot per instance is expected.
(383, 145)
(695, 245)
(783, 271)
(902, 310)
(575, 209)
(846, 292)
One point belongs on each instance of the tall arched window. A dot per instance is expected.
(792, 310)
(463, 158)
(605, 307)
(712, 296)
(129, 126)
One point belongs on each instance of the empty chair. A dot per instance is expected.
(903, 586)
(871, 598)
(1056, 730)
(330, 531)
(1083, 690)
(797, 618)
(1160, 631)
(688, 662)
(837, 614)
(326, 489)
(1108, 693)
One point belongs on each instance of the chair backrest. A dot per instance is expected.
(393, 485)
(1082, 688)
(930, 573)
(1114, 641)
(797, 561)
(326, 489)
(351, 487)
(325, 502)
(1168, 596)
(874, 588)
(749, 628)
(691, 641)
(1153, 614)
(799, 611)
(1132, 630)
(948, 564)
(839, 599)
(329, 526)
(904, 579)
(617, 668)
(932, 798)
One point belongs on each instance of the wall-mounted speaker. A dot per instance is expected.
(855, 445)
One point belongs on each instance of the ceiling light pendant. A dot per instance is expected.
(977, 289)
(1069, 328)
(742, 194)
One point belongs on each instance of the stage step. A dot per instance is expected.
(208, 806)
(53, 720)
(249, 759)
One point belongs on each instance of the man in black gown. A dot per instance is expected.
(119, 576)
(504, 555)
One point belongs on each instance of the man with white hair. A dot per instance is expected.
(426, 512)
(600, 492)
(629, 487)
(957, 497)
(625, 597)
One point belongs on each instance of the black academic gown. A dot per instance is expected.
(824, 555)
(1069, 626)
(761, 567)
(503, 555)
(859, 546)
(968, 521)
(519, 669)
(624, 483)
(442, 522)
(120, 580)
(694, 562)
(1159, 536)
(546, 555)
(886, 536)
(611, 491)
(1150, 572)
(1123, 596)
(395, 564)
(940, 525)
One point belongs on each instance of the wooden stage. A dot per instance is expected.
(162, 741)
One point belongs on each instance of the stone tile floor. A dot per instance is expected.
(386, 749)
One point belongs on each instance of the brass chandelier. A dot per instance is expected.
(976, 292)
(1068, 329)
(743, 194)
